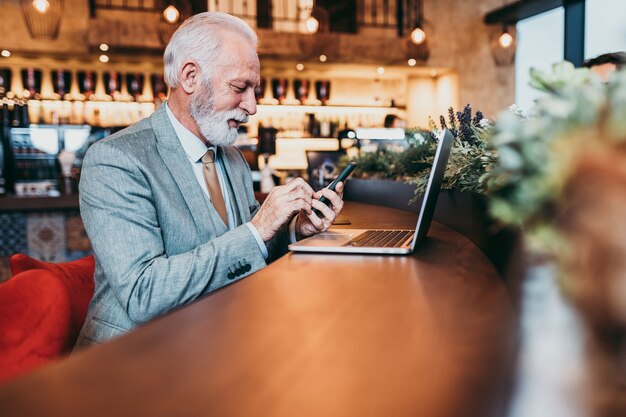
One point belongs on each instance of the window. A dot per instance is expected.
(605, 30)
(540, 44)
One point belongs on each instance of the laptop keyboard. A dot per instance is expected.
(380, 239)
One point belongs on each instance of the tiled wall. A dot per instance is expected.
(48, 236)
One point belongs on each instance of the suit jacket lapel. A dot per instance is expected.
(206, 218)
(237, 185)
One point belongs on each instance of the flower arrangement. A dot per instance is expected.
(578, 117)
(469, 157)
(561, 175)
(470, 153)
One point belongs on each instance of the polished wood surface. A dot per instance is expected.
(430, 334)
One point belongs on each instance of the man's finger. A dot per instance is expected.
(339, 189)
(326, 211)
(315, 220)
(333, 197)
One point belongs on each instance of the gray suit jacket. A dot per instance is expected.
(158, 241)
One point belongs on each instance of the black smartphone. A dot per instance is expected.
(341, 177)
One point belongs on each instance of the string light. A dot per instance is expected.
(311, 24)
(104, 47)
(380, 70)
(418, 36)
(412, 62)
(104, 58)
(299, 67)
(41, 6)
(171, 14)
(505, 40)
(503, 46)
(323, 58)
(5, 53)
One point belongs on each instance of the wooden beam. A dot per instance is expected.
(522, 9)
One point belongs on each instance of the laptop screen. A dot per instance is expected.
(434, 184)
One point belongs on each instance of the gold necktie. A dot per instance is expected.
(213, 184)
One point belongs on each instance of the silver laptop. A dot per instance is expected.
(386, 241)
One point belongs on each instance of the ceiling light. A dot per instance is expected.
(171, 14)
(503, 46)
(311, 24)
(418, 39)
(104, 58)
(323, 58)
(41, 6)
(418, 36)
(412, 62)
(5, 53)
(104, 47)
(505, 40)
(299, 67)
(42, 17)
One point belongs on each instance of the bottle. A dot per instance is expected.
(6, 115)
(16, 120)
(25, 122)
(313, 126)
(325, 128)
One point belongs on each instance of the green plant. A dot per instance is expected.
(468, 159)
(536, 155)
(469, 156)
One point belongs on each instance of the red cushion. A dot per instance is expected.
(35, 321)
(78, 268)
(77, 275)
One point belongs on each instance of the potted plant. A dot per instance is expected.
(560, 174)
(398, 179)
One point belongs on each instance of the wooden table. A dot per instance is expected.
(430, 334)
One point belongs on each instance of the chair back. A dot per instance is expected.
(42, 310)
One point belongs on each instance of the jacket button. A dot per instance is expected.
(230, 275)
(247, 267)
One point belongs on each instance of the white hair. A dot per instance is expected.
(198, 39)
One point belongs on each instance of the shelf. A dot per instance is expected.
(330, 106)
(307, 108)
(64, 202)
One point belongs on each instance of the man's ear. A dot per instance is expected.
(189, 77)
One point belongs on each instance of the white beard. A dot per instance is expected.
(213, 125)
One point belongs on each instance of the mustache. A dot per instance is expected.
(236, 115)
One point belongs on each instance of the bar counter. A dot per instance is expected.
(429, 334)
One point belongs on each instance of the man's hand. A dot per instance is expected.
(309, 223)
(281, 203)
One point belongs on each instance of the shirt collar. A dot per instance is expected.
(192, 145)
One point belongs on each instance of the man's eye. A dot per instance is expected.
(239, 89)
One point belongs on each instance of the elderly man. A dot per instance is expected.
(168, 202)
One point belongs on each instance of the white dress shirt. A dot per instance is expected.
(195, 148)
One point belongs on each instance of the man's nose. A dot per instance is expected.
(248, 102)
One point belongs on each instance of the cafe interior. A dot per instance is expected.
(512, 304)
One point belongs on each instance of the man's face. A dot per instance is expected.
(604, 70)
(226, 100)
